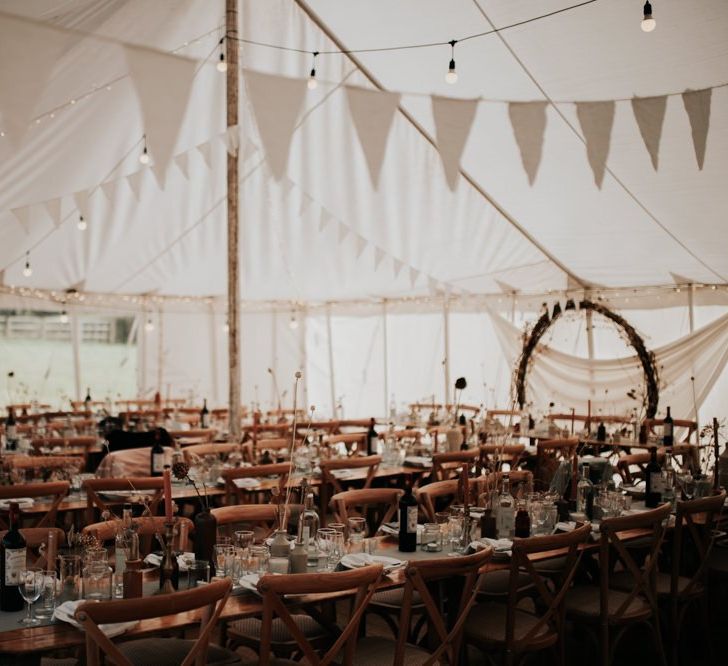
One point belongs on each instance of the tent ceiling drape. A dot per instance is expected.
(323, 232)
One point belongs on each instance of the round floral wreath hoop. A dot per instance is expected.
(646, 357)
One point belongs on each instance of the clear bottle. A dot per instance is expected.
(505, 518)
(308, 526)
(585, 493)
(121, 542)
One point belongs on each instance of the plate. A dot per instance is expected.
(357, 560)
(23, 502)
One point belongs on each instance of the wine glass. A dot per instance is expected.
(325, 543)
(31, 586)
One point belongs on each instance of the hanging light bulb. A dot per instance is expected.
(64, 317)
(452, 76)
(149, 326)
(144, 157)
(648, 23)
(221, 64)
(27, 270)
(293, 323)
(312, 83)
(81, 224)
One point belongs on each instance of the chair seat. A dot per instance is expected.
(487, 624)
(624, 580)
(393, 598)
(583, 602)
(553, 565)
(496, 582)
(172, 652)
(378, 651)
(250, 629)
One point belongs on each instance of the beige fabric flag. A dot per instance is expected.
(414, 275)
(649, 112)
(697, 106)
(205, 149)
(53, 208)
(183, 164)
(276, 102)
(81, 201)
(343, 232)
(23, 216)
(109, 190)
(361, 243)
(163, 83)
(528, 120)
(372, 112)
(397, 265)
(325, 220)
(135, 182)
(453, 120)
(378, 256)
(28, 54)
(596, 120)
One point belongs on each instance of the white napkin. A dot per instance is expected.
(498, 545)
(247, 482)
(65, 613)
(565, 526)
(23, 502)
(342, 473)
(155, 559)
(418, 461)
(356, 560)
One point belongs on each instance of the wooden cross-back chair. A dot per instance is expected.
(36, 541)
(505, 627)
(209, 599)
(407, 433)
(377, 505)
(57, 491)
(550, 453)
(351, 440)
(202, 435)
(632, 466)
(608, 610)
(274, 588)
(420, 575)
(446, 464)
(258, 517)
(494, 454)
(690, 427)
(131, 487)
(516, 478)
(145, 526)
(194, 451)
(431, 496)
(37, 463)
(329, 467)
(235, 494)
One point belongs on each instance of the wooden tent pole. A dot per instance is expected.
(231, 49)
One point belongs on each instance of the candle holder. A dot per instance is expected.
(169, 567)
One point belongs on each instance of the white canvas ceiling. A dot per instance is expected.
(324, 232)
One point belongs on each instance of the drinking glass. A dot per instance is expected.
(338, 527)
(357, 532)
(455, 527)
(224, 540)
(97, 581)
(325, 545)
(244, 538)
(432, 538)
(258, 559)
(687, 484)
(224, 559)
(48, 595)
(69, 569)
(537, 512)
(339, 546)
(199, 572)
(31, 587)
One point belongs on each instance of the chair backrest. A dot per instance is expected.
(78, 442)
(524, 554)
(350, 440)
(234, 493)
(614, 532)
(407, 433)
(36, 539)
(56, 490)
(273, 588)
(444, 464)
(375, 504)
(632, 466)
(201, 434)
(151, 486)
(249, 515)
(690, 426)
(562, 449)
(145, 526)
(419, 575)
(370, 463)
(495, 453)
(201, 450)
(45, 462)
(428, 495)
(695, 526)
(210, 598)
(516, 478)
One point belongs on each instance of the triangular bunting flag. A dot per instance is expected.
(397, 265)
(23, 216)
(378, 256)
(81, 201)
(453, 120)
(53, 208)
(287, 186)
(160, 175)
(249, 149)
(325, 219)
(33, 50)
(205, 149)
(276, 102)
(305, 204)
(414, 274)
(697, 106)
(431, 284)
(135, 182)
(681, 279)
(109, 190)
(361, 243)
(372, 112)
(649, 112)
(163, 83)
(343, 232)
(528, 120)
(183, 164)
(505, 287)
(231, 139)
(596, 120)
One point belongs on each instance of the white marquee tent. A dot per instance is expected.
(486, 198)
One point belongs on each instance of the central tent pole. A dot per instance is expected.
(386, 358)
(231, 47)
(446, 336)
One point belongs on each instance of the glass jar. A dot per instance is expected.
(432, 538)
(97, 578)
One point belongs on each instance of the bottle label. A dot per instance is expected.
(412, 519)
(14, 564)
(667, 430)
(11, 432)
(505, 521)
(656, 484)
(158, 462)
(203, 421)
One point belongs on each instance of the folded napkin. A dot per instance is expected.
(23, 502)
(418, 461)
(498, 545)
(565, 526)
(356, 560)
(65, 613)
(247, 482)
(342, 473)
(155, 559)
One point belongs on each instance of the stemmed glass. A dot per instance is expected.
(31, 587)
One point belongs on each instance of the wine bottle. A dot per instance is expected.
(523, 522)
(601, 432)
(487, 524)
(505, 517)
(204, 415)
(653, 476)
(11, 431)
(157, 457)
(585, 493)
(12, 562)
(667, 430)
(407, 522)
(87, 401)
(371, 439)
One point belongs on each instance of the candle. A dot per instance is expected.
(466, 485)
(167, 494)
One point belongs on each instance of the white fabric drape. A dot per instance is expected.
(569, 381)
